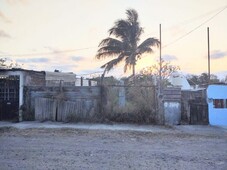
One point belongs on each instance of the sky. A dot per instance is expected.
(65, 34)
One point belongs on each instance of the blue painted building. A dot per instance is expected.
(217, 104)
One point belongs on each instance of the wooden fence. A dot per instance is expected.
(62, 104)
(63, 111)
(114, 103)
(194, 107)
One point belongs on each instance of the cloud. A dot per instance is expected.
(63, 68)
(3, 34)
(217, 54)
(169, 57)
(177, 30)
(12, 2)
(3, 53)
(91, 71)
(63, 54)
(97, 71)
(56, 52)
(57, 55)
(33, 60)
(52, 49)
(76, 58)
(4, 18)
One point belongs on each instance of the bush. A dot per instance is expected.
(139, 105)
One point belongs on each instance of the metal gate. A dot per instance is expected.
(198, 112)
(9, 97)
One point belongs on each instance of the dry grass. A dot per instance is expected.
(139, 105)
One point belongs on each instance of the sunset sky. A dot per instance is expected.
(64, 34)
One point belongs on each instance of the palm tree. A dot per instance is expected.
(125, 44)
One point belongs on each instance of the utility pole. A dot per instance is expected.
(160, 95)
(160, 60)
(208, 41)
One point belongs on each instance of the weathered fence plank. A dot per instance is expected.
(56, 104)
(45, 109)
(57, 110)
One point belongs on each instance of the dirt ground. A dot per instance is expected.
(67, 148)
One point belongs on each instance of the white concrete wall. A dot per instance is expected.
(217, 116)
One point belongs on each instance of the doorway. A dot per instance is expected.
(9, 97)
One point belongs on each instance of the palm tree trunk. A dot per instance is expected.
(133, 70)
(103, 75)
(133, 73)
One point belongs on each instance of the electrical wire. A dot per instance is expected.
(50, 53)
(87, 48)
(86, 74)
(183, 36)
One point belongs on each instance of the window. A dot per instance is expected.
(220, 103)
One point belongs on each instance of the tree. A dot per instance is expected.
(124, 45)
(7, 64)
(166, 70)
(2, 63)
(203, 79)
(225, 80)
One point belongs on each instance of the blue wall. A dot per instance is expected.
(217, 116)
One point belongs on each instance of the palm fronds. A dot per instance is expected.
(125, 46)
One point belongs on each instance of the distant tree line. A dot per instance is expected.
(203, 79)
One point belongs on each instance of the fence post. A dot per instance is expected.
(81, 81)
(101, 99)
(89, 82)
(61, 85)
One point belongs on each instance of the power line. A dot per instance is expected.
(187, 21)
(87, 48)
(176, 40)
(201, 16)
(50, 53)
(86, 74)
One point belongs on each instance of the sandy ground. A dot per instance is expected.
(153, 147)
